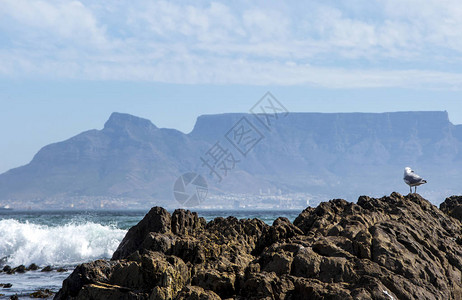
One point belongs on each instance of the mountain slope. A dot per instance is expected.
(131, 162)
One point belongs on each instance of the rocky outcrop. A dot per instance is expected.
(453, 207)
(395, 247)
(158, 220)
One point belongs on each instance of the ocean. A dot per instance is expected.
(64, 239)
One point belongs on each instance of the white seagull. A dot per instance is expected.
(412, 179)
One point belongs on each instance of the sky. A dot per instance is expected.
(65, 66)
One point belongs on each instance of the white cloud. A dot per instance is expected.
(391, 43)
(265, 25)
(55, 21)
(170, 21)
(431, 23)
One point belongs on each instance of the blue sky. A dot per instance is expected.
(66, 65)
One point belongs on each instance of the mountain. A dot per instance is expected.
(132, 163)
(394, 247)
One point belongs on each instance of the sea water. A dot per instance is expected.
(64, 239)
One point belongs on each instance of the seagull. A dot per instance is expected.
(412, 179)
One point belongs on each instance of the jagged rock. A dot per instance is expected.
(19, 269)
(139, 274)
(453, 207)
(222, 282)
(106, 291)
(157, 220)
(267, 285)
(47, 269)
(259, 286)
(150, 269)
(42, 293)
(278, 258)
(84, 275)
(403, 236)
(196, 293)
(186, 222)
(394, 247)
(6, 269)
(282, 229)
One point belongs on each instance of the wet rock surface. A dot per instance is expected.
(42, 293)
(47, 269)
(395, 247)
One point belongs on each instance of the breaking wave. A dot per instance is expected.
(70, 244)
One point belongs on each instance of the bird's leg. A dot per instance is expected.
(415, 189)
(410, 189)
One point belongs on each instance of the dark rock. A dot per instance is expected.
(6, 269)
(268, 286)
(196, 293)
(278, 258)
(281, 230)
(6, 285)
(222, 282)
(42, 293)
(60, 270)
(107, 291)
(259, 286)
(140, 273)
(47, 269)
(150, 269)
(399, 247)
(85, 274)
(158, 220)
(453, 207)
(303, 220)
(185, 222)
(33, 267)
(19, 269)
(14, 297)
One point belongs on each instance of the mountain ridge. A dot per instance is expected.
(131, 162)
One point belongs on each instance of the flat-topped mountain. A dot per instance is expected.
(131, 162)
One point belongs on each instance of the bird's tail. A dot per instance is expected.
(424, 181)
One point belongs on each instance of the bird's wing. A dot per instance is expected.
(412, 178)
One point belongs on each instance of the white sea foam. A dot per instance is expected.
(26, 243)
